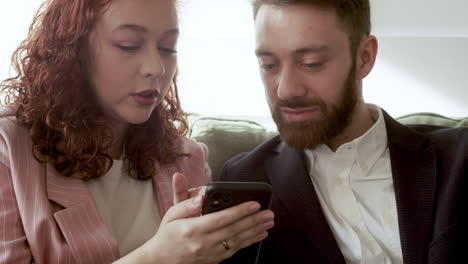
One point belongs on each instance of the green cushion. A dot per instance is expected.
(226, 138)
(432, 119)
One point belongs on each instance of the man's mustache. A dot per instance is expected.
(300, 103)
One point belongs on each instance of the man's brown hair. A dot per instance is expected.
(354, 15)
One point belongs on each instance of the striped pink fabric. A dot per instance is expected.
(48, 218)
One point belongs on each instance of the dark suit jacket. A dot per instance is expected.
(429, 168)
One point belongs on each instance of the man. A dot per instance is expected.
(351, 184)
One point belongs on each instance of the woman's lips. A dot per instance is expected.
(299, 114)
(146, 97)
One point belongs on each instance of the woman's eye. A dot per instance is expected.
(128, 48)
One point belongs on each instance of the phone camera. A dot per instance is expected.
(216, 200)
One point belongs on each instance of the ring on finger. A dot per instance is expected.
(225, 244)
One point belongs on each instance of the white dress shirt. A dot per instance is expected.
(128, 207)
(355, 189)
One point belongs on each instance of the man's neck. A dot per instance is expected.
(361, 121)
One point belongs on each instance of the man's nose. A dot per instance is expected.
(290, 84)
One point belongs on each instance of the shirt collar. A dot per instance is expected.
(368, 148)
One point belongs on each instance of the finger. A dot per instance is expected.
(185, 209)
(197, 191)
(234, 246)
(214, 221)
(249, 236)
(246, 228)
(179, 188)
(248, 242)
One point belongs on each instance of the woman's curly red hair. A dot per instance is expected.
(52, 98)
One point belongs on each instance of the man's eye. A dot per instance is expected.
(267, 67)
(311, 65)
(167, 50)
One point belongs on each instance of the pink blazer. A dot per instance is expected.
(47, 218)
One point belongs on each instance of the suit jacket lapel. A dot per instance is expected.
(413, 168)
(294, 188)
(80, 222)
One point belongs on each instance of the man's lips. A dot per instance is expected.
(299, 114)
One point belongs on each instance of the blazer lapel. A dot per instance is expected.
(162, 185)
(413, 168)
(80, 222)
(293, 186)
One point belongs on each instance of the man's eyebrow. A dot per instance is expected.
(311, 49)
(298, 52)
(263, 53)
(174, 31)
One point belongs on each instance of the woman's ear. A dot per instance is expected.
(366, 56)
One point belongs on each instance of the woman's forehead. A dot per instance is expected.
(152, 15)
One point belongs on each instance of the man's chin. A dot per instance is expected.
(302, 135)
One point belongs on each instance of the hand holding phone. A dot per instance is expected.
(222, 195)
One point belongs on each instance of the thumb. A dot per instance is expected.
(179, 188)
(185, 209)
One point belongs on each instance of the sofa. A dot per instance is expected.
(227, 137)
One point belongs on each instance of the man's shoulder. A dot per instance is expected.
(443, 136)
(252, 159)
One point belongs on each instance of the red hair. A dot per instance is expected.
(52, 94)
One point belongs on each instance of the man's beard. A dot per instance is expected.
(311, 133)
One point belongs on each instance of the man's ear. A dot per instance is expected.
(366, 56)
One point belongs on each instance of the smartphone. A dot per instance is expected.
(222, 195)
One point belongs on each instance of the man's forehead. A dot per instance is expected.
(301, 16)
(297, 28)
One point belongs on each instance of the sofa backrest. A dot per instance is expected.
(227, 137)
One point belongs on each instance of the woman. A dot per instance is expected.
(91, 145)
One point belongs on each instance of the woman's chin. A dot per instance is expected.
(138, 120)
(135, 117)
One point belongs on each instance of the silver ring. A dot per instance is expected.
(225, 245)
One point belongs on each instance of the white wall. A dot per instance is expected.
(415, 74)
(421, 66)
(15, 18)
(428, 18)
(219, 73)
(423, 58)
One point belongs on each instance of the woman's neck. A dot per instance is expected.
(119, 133)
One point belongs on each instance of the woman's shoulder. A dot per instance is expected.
(187, 146)
(193, 161)
(10, 128)
(15, 139)
(7, 112)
